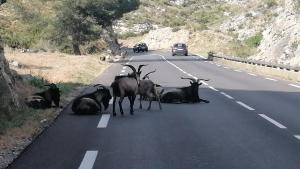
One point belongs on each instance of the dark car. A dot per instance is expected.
(179, 49)
(140, 47)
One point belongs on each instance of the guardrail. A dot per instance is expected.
(211, 56)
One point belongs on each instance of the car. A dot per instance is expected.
(179, 49)
(140, 47)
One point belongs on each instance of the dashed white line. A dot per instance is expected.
(297, 137)
(226, 95)
(238, 71)
(88, 160)
(218, 65)
(294, 85)
(245, 105)
(226, 67)
(214, 89)
(273, 121)
(103, 121)
(252, 74)
(271, 79)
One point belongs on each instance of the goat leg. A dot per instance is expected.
(141, 107)
(114, 103)
(132, 98)
(120, 105)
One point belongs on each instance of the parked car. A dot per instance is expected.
(179, 49)
(140, 47)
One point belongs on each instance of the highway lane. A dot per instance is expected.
(221, 134)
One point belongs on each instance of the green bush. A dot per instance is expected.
(38, 82)
(271, 3)
(254, 41)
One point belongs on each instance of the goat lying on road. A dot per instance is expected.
(184, 94)
(44, 99)
(126, 86)
(91, 103)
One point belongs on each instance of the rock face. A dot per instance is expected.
(164, 38)
(282, 38)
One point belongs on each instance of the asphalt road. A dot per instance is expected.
(251, 122)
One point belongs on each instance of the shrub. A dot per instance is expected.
(271, 3)
(254, 41)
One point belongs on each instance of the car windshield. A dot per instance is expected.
(180, 45)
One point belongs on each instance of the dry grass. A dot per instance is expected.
(281, 74)
(58, 67)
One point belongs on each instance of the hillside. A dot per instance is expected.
(233, 27)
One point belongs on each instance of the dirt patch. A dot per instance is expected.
(264, 71)
(73, 73)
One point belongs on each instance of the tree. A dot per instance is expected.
(105, 12)
(71, 26)
(8, 96)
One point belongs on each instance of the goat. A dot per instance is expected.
(44, 99)
(147, 89)
(184, 94)
(126, 86)
(92, 102)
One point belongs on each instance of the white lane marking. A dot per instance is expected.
(88, 160)
(252, 74)
(218, 65)
(121, 74)
(237, 70)
(272, 121)
(103, 121)
(294, 85)
(124, 67)
(205, 61)
(212, 88)
(189, 74)
(123, 71)
(226, 67)
(297, 137)
(203, 82)
(271, 79)
(245, 105)
(226, 95)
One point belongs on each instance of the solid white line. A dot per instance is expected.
(294, 85)
(212, 88)
(271, 79)
(189, 74)
(245, 105)
(103, 121)
(203, 82)
(88, 160)
(252, 74)
(273, 121)
(226, 95)
(297, 137)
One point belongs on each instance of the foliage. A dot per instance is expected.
(254, 41)
(271, 3)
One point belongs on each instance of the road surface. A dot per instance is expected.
(251, 122)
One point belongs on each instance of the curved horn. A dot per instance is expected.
(148, 74)
(52, 85)
(198, 80)
(192, 79)
(98, 85)
(140, 67)
(130, 66)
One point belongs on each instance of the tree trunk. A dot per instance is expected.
(8, 96)
(76, 49)
(110, 38)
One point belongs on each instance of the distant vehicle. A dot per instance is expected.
(179, 49)
(140, 47)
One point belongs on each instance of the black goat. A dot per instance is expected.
(44, 99)
(184, 94)
(92, 102)
(126, 86)
(147, 90)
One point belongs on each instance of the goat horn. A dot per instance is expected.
(52, 85)
(149, 74)
(130, 66)
(140, 67)
(198, 80)
(193, 80)
(98, 85)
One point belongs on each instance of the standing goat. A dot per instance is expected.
(126, 86)
(92, 102)
(147, 90)
(184, 94)
(44, 99)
